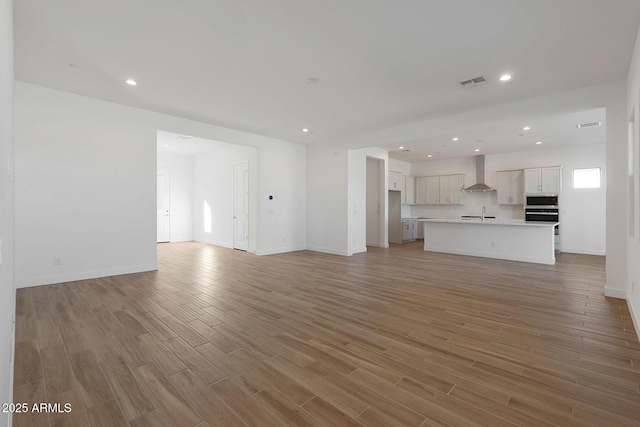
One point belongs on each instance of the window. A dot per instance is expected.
(586, 178)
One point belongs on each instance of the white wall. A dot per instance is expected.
(213, 185)
(357, 198)
(86, 186)
(283, 219)
(181, 176)
(632, 286)
(7, 288)
(616, 178)
(327, 186)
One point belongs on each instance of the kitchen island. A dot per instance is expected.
(514, 240)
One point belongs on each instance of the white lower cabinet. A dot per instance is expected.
(409, 229)
(407, 232)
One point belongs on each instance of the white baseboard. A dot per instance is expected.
(83, 275)
(222, 244)
(359, 250)
(328, 251)
(584, 251)
(378, 245)
(635, 319)
(280, 250)
(181, 239)
(615, 293)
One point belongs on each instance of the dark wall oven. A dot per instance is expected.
(544, 209)
(541, 201)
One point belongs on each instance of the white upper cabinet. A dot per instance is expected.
(439, 190)
(410, 190)
(405, 184)
(396, 181)
(451, 189)
(433, 190)
(511, 187)
(542, 180)
(421, 190)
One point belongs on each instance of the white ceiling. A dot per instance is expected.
(380, 63)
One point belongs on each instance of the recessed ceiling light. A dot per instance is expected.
(131, 82)
(166, 145)
(526, 128)
(305, 130)
(74, 66)
(476, 150)
(505, 77)
(401, 147)
(429, 155)
(455, 138)
(312, 80)
(539, 142)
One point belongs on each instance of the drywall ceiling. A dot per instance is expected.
(244, 64)
(549, 132)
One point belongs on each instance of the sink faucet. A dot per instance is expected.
(483, 210)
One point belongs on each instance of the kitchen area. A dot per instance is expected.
(517, 218)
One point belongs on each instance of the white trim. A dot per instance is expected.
(615, 293)
(83, 275)
(280, 250)
(215, 243)
(377, 245)
(599, 252)
(328, 251)
(635, 319)
(359, 250)
(182, 239)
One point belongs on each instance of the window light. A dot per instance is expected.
(586, 178)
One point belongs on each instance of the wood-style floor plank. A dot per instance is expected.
(390, 337)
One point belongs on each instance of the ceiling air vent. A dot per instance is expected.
(476, 81)
(589, 125)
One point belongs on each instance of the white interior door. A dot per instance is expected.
(163, 218)
(241, 206)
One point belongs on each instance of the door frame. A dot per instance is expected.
(166, 173)
(247, 203)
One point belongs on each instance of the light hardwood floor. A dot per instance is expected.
(391, 337)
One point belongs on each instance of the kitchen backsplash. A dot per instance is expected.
(473, 203)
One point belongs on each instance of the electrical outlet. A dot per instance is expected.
(57, 261)
(493, 244)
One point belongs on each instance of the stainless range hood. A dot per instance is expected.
(479, 185)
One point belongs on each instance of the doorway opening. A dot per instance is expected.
(212, 191)
(163, 201)
(375, 193)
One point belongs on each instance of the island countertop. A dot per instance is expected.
(516, 240)
(492, 221)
